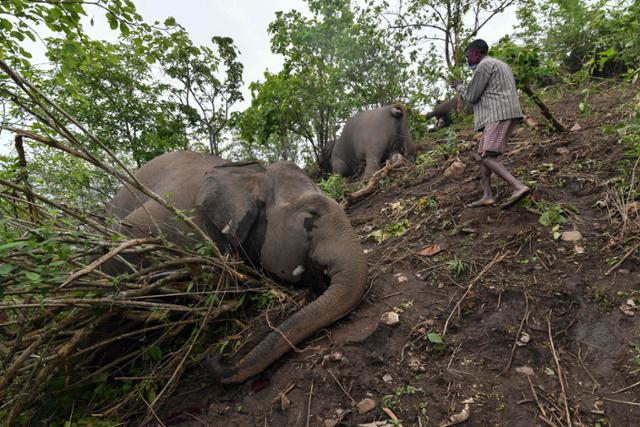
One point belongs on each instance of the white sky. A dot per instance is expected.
(245, 21)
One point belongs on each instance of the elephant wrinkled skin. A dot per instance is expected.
(276, 216)
(369, 138)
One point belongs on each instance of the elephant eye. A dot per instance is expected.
(310, 222)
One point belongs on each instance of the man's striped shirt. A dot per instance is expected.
(492, 92)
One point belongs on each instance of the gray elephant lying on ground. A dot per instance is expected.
(276, 216)
(369, 138)
(443, 109)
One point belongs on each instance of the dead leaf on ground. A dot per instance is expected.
(431, 250)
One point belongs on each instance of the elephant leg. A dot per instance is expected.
(372, 165)
(339, 166)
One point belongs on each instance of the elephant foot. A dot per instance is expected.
(217, 370)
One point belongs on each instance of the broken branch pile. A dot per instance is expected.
(77, 341)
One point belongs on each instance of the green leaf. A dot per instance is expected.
(5, 24)
(435, 338)
(155, 352)
(34, 277)
(54, 14)
(170, 21)
(113, 21)
(5, 269)
(13, 245)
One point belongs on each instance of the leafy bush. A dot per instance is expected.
(391, 230)
(601, 34)
(335, 186)
(526, 63)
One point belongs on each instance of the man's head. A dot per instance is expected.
(476, 50)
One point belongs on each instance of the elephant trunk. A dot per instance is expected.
(334, 245)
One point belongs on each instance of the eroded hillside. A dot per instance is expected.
(535, 306)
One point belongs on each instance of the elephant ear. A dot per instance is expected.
(230, 200)
(397, 111)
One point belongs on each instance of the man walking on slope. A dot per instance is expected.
(492, 92)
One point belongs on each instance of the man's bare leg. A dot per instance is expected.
(487, 197)
(519, 189)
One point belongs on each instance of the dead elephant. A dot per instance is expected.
(276, 216)
(370, 138)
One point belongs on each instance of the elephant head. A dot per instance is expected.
(277, 217)
(281, 217)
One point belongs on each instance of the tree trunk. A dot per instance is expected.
(543, 108)
(23, 177)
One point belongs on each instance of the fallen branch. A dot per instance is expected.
(627, 388)
(623, 259)
(543, 108)
(309, 403)
(543, 416)
(371, 184)
(624, 402)
(113, 253)
(344, 390)
(109, 302)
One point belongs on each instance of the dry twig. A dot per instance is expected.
(556, 358)
(496, 259)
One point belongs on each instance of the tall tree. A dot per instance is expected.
(205, 81)
(112, 89)
(19, 18)
(336, 62)
(578, 32)
(445, 25)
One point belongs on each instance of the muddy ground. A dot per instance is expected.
(526, 313)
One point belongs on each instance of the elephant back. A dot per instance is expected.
(176, 176)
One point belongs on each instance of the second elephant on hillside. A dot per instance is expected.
(369, 138)
(443, 110)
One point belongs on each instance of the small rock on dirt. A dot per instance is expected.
(523, 340)
(530, 122)
(415, 365)
(576, 127)
(571, 236)
(387, 378)
(563, 151)
(633, 208)
(390, 318)
(456, 170)
(366, 405)
(335, 356)
(330, 423)
(628, 308)
(401, 278)
(525, 370)
(431, 250)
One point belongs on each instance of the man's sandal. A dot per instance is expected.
(515, 198)
(482, 203)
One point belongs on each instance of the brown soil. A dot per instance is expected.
(543, 287)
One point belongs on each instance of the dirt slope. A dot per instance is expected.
(526, 284)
